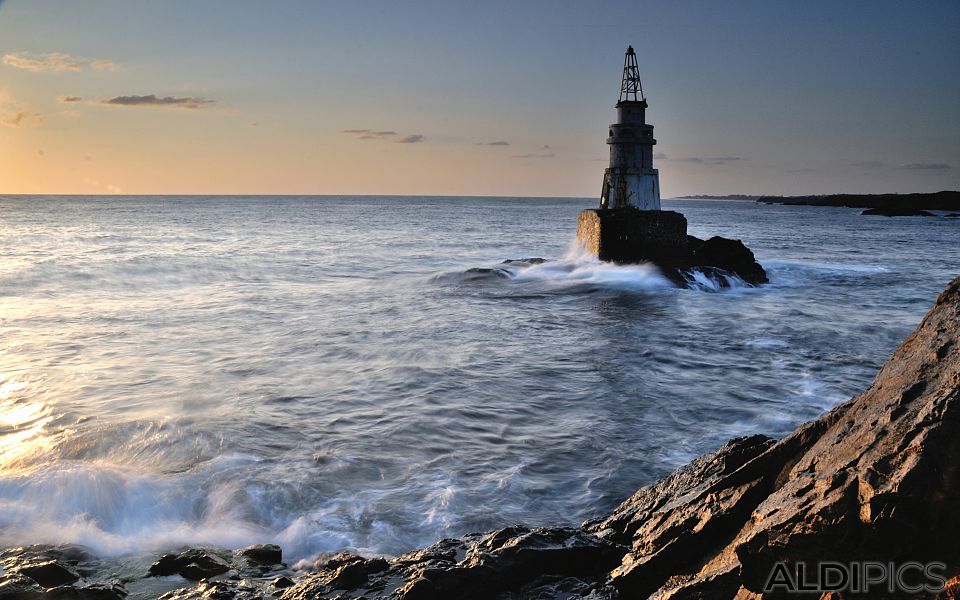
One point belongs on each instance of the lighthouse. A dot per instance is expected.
(629, 226)
(631, 180)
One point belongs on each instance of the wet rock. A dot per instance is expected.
(49, 573)
(731, 256)
(193, 564)
(19, 587)
(485, 273)
(897, 212)
(499, 564)
(282, 582)
(524, 261)
(89, 592)
(263, 554)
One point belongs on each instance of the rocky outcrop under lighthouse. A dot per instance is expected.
(628, 235)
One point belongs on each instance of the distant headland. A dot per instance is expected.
(879, 204)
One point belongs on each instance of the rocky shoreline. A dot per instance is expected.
(876, 479)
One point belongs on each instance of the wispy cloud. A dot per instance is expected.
(109, 187)
(154, 101)
(412, 139)
(865, 164)
(709, 160)
(535, 155)
(496, 143)
(370, 134)
(927, 167)
(660, 156)
(55, 62)
(69, 99)
(15, 114)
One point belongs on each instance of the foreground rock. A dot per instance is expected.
(44, 572)
(876, 479)
(194, 564)
(515, 562)
(628, 235)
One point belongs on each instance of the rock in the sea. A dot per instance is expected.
(730, 255)
(193, 564)
(96, 591)
(628, 235)
(49, 573)
(19, 587)
(897, 212)
(263, 554)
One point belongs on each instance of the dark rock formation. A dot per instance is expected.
(897, 212)
(49, 573)
(263, 554)
(96, 591)
(728, 255)
(19, 587)
(53, 573)
(194, 564)
(508, 563)
(628, 235)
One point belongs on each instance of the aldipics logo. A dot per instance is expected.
(858, 577)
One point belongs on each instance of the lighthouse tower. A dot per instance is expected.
(631, 180)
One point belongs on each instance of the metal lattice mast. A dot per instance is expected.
(630, 88)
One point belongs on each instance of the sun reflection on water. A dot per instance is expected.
(23, 427)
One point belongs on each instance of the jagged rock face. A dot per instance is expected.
(510, 563)
(883, 482)
(876, 479)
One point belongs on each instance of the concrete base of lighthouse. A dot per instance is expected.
(629, 235)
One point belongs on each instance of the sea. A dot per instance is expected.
(367, 373)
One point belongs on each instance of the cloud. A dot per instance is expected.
(548, 155)
(67, 99)
(15, 114)
(710, 160)
(384, 134)
(369, 134)
(55, 62)
(497, 143)
(154, 101)
(103, 65)
(865, 164)
(927, 167)
(109, 187)
(660, 156)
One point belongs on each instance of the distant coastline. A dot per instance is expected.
(945, 200)
(710, 197)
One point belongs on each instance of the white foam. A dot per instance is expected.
(578, 267)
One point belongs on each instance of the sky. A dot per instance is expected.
(447, 97)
